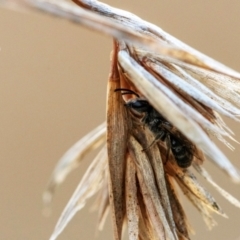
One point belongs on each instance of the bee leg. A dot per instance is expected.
(153, 142)
(144, 120)
(139, 124)
(168, 149)
(136, 122)
(158, 137)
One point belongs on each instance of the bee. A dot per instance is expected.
(181, 148)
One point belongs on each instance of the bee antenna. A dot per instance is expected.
(127, 91)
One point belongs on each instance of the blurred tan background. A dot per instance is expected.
(53, 82)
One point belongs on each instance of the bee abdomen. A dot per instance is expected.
(184, 160)
(182, 154)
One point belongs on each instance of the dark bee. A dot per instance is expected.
(182, 149)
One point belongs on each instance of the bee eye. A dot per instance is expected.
(139, 105)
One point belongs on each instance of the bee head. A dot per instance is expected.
(139, 105)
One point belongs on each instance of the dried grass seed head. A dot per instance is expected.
(179, 82)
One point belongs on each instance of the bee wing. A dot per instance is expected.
(199, 156)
